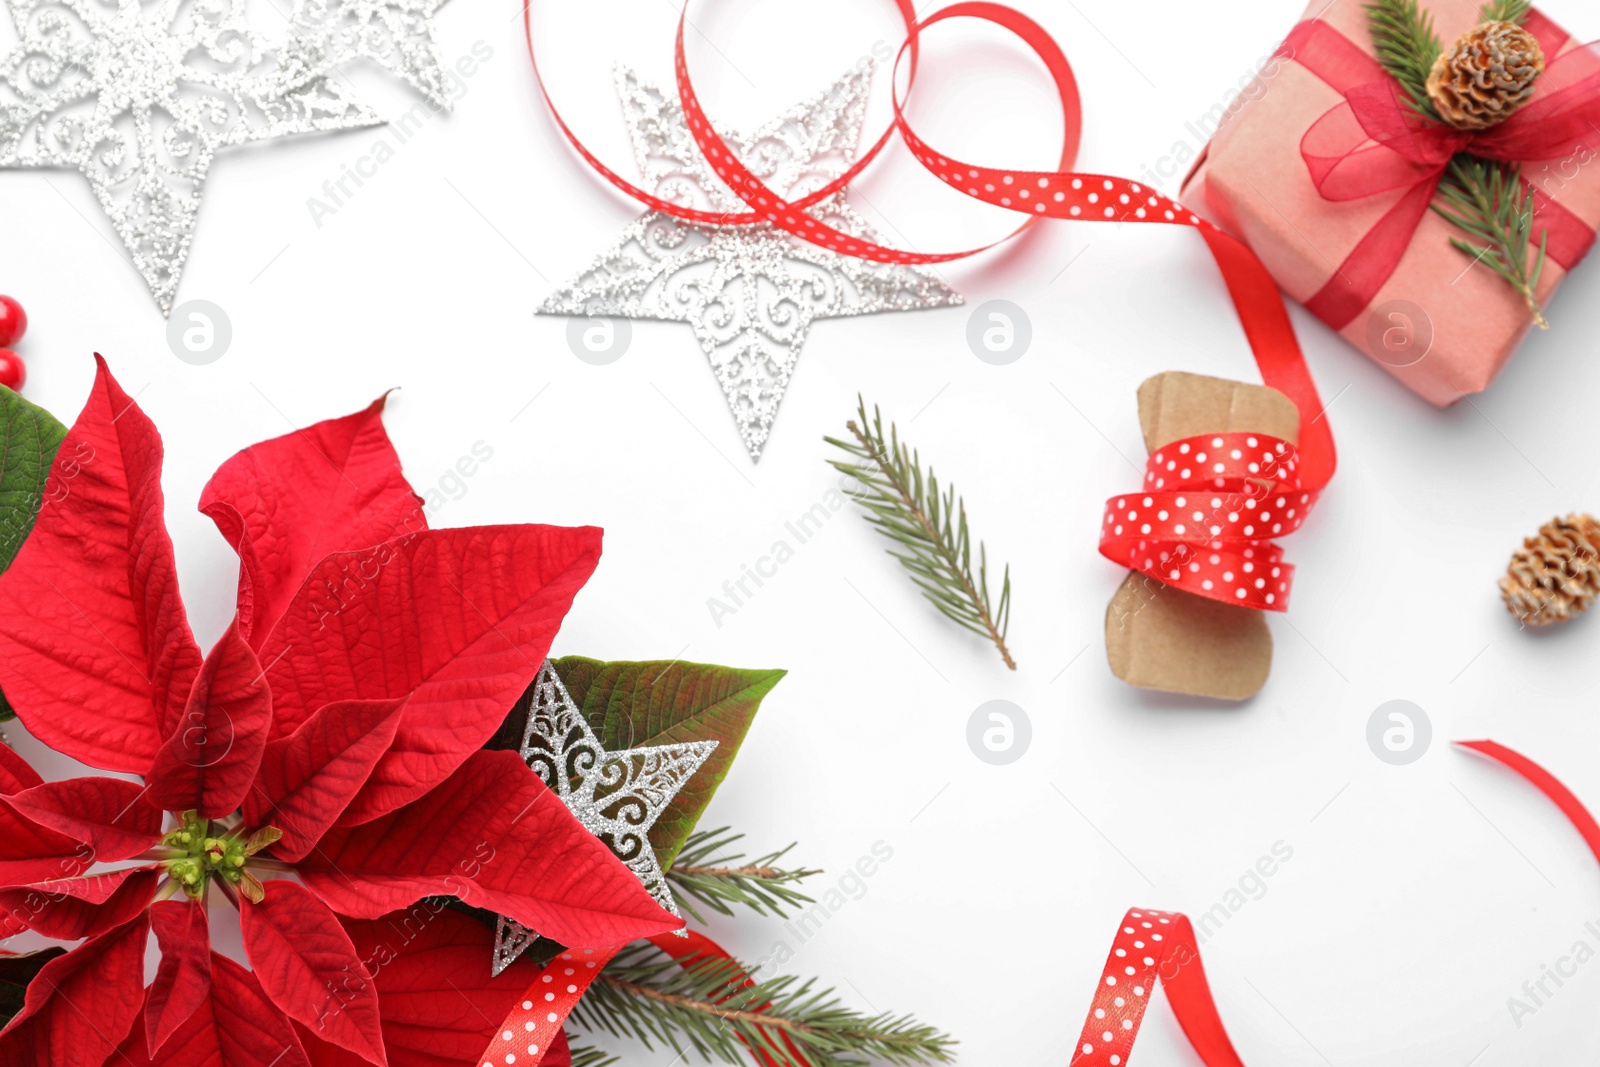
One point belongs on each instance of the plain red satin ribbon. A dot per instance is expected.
(1374, 142)
(1547, 784)
(1060, 194)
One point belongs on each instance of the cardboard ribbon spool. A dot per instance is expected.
(1160, 637)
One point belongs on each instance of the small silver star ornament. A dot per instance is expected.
(140, 96)
(618, 796)
(750, 292)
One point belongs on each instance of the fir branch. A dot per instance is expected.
(706, 1008)
(1403, 35)
(589, 1056)
(1491, 204)
(1506, 11)
(718, 878)
(904, 502)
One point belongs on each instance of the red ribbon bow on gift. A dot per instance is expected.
(1375, 142)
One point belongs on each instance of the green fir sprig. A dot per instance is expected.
(1486, 199)
(1407, 45)
(589, 1056)
(1489, 202)
(709, 871)
(903, 500)
(1506, 11)
(705, 1007)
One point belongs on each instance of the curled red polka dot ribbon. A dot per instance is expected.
(1059, 194)
(1160, 946)
(1205, 519)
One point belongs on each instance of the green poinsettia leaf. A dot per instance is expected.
(631, 705)
(28, 449)
(664, 702)
(16, 971)
(660, 702)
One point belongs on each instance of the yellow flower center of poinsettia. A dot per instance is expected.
(206, 851)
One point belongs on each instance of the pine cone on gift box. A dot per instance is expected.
(1556, 574)
(1485, 76)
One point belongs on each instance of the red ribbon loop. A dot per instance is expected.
(1372, 143)
(1152, 946)
(1375, 142)
(1207, 515)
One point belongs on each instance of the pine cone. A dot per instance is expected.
(1485, 76)
(1556, 574)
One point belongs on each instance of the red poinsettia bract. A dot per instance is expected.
(321, 767)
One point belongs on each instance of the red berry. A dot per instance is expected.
(12, 372)
(13, 322)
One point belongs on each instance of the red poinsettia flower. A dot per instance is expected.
(321, 767)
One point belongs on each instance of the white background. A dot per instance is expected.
(1418, 898)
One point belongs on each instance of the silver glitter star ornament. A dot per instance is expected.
(618, 796)
(750, 292)
(139, 97)
(395, 33)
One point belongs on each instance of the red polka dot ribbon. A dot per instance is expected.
(533, 1030)
(1152, 946)
(1205, 519)
(1058, 194)
(1160, 946)
(534, 1026)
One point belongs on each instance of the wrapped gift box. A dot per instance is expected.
(1441, 324)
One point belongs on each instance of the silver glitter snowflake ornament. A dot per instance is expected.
(139, 97)
(618, 796)
(750, 292)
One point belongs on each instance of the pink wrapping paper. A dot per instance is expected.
(1441, 325)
